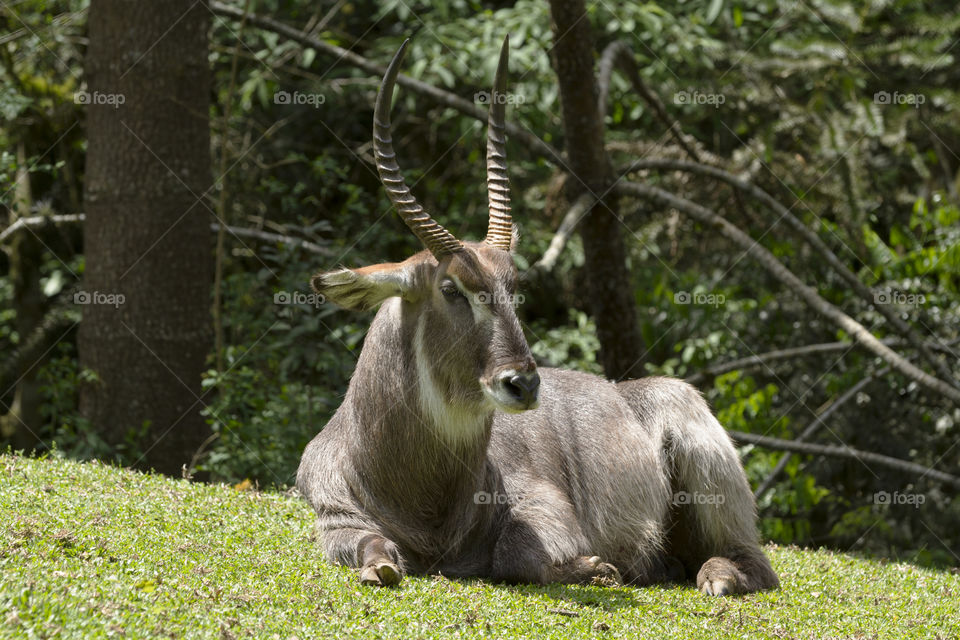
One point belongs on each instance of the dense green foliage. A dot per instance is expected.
(846, 112)
(91, 551)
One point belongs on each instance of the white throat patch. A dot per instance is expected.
(453, 424)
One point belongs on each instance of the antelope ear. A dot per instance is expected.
(363, 289)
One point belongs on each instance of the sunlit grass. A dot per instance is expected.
(93, 551)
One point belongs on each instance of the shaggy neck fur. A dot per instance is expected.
(436, 451)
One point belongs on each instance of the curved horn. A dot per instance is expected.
(438, 240)
(500, 226)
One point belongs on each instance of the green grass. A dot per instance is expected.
(89, 550)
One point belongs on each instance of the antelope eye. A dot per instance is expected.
(450, 291)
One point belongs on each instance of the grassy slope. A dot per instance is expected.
(93, 551)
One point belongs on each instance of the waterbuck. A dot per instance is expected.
(454, 453)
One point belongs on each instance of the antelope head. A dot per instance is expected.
(455, 298)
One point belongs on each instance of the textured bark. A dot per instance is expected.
(147, 232)
(611, 291)
(22, 422)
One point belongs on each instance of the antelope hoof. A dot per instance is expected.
(602, 573)
(718, 577)
(381, 574)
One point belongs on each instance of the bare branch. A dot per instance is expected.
(764, 359)
(355, 60)
(862, 290)
(38, 221)
(37, 344)
(814, 426)
(222, 204)
(619, 54)
(577, 211)
(266, 236)
(834, 451)
(768, 261)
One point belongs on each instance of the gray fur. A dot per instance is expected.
(594, 470)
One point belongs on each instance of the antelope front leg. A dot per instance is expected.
(519, 557)
(376, 557)
(744, 571)
(536, 569)
(379, 566)
(587, 570)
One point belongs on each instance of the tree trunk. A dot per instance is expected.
(610, 295)
(146, 317)
(22, 424)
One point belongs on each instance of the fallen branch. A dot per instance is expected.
(355, 60)
(768, 261)
(845, 452)
(862, 290)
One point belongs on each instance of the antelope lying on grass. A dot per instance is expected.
(453, 453)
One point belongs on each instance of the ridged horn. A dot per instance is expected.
(438, 240)
(500, 226)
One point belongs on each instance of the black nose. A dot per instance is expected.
(524, 387)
